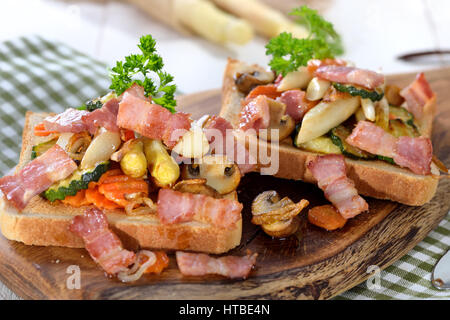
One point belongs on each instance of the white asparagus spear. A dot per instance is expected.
(199, 16)
(266, 20)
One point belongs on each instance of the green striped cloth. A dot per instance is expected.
(39, 75)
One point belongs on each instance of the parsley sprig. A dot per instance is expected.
(125, 73)
(289, 53)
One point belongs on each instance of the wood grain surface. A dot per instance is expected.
(313, 264)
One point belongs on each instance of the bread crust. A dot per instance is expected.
(372, 178)
(46, 224)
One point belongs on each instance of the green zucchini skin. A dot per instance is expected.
(338, 136)
(353, 91)
(58, 191)
(39, 149)
(403, 115)
(387, 159)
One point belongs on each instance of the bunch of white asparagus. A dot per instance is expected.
(221, 21)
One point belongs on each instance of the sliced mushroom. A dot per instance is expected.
(78, 144)
(282, 229)
(197, 186)
(281, 125)
(220, 173)
(278, 218)
(246, 81)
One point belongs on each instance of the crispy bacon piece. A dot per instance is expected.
(413, 153)
(177, 207)
(137, 91)
(71, 120)
(105, 117)
(37, 176)
(314, 64)
(371, 138)
(366, 78)
(417, 95)
(200, 264)
(151, 120)
(296, 103)
(101, 243)
(268, 90)
(255, 114)
(219, 133)
(329, 171)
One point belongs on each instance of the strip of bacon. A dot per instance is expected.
(219, 133)
(268, 90)
(371, 138)
(37, 176)
(366, 78)
(105, 117)
(417, 95)
(71, 120)
(137, 91)
(177, 207)
(151, 120)
(314, 64)
(200, 264)
(255, 114)
(296, 103)
(330, 173)
(413, 153)
(101, 243)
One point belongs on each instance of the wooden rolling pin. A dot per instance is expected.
(266, 21)
(200, 16)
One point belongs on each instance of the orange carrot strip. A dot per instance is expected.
(99, 200)
(115, 188)
(326, 217)
(78, 200)
(162, 262)
(40, 131)
(109, 173)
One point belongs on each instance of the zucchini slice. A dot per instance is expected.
(322, 144)
(363, 93)
(398, 128)
(401, 114)
(338, 136)
(40, 148)
(79, 180)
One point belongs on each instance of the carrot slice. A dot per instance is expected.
(269, 90)
(326, 217)
(162, 262)
(115, 188)
(78, 200)
(40, 131)
(99, 200)
(109, 173)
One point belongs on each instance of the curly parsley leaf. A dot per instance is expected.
(289, 53)
(141, 66)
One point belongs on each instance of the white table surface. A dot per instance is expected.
(374, 34)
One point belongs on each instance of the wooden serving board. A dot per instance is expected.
(313, 264)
